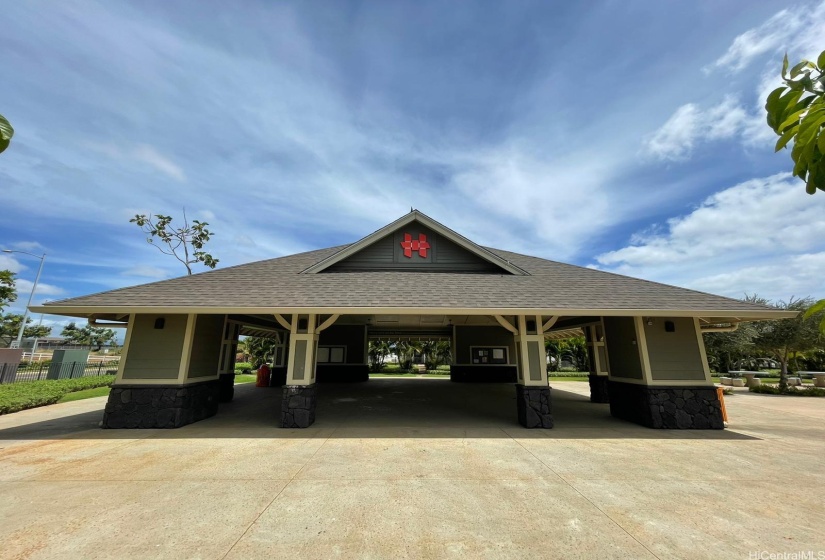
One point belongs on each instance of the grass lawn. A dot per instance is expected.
(85, 394)
(103, 391)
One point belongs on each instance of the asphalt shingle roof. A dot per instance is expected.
(280, 283)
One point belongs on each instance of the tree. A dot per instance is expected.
(8, 293)
(796, 111)
(96, 337)
(10, 327)
(10, 322)
(786, 338)
(6, 132)
(184, 243)
(378, 352)
(726, 351)
(260, 349)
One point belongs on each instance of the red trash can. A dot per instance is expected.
(263, 376)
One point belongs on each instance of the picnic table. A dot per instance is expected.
(750, 377)
(818, 377)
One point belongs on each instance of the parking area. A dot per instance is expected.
(413, 468)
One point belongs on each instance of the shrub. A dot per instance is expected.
(243, 367)
(774, 390)
(21, 396)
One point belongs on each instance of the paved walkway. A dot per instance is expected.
(413, 468)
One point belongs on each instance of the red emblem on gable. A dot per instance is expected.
(420, 245)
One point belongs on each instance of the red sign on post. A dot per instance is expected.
(409, 245)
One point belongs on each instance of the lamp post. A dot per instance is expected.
(31, 295)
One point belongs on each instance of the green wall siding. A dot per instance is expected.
(622, 347)
(206, 346)
(674, 355)
(155, 353)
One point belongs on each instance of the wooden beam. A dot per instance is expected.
(506, 324)
(284, 323)
(549, 324)
(328, 323)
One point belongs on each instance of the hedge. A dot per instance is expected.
(774, 390)
(21, 396)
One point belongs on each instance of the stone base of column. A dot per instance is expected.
(683, 408)
(599, 392)
(160, 406)
(227, 387)
(533, 406)
(298, 406)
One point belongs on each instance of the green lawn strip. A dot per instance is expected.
(85, 394)
(21, 396)
(245, 378)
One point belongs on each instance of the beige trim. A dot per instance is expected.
(125, 351)
(328, 323)
(506, 324)
(641, 344)
(283, 322)
(523, 354)
(702, 352)
(612, 377)
(416, 216)
(743, 315)
(93, 323)
(663, 383)
(682, 383)
(549, 324)
(602, 370)
(186, 354)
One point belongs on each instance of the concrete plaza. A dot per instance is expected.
(413, 468)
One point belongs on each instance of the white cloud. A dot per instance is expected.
(797, 31)
(690, 125)
(7, 262)
(141, 154)
(149, 155)
(24, 288)
(763, 235)
(769, 36)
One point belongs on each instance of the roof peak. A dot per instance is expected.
(421, 245)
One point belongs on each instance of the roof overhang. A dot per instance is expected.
(706, 316)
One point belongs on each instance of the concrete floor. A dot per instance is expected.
(414, 468)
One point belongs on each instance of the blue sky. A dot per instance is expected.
(623, 135)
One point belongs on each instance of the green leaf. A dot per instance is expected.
(793, 119)
(786, 137)
(784, 65)
(820, 142)
(798, 68)
(821, 60)
(810, 125)
(6, 132)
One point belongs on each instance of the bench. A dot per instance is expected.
(817, 376)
